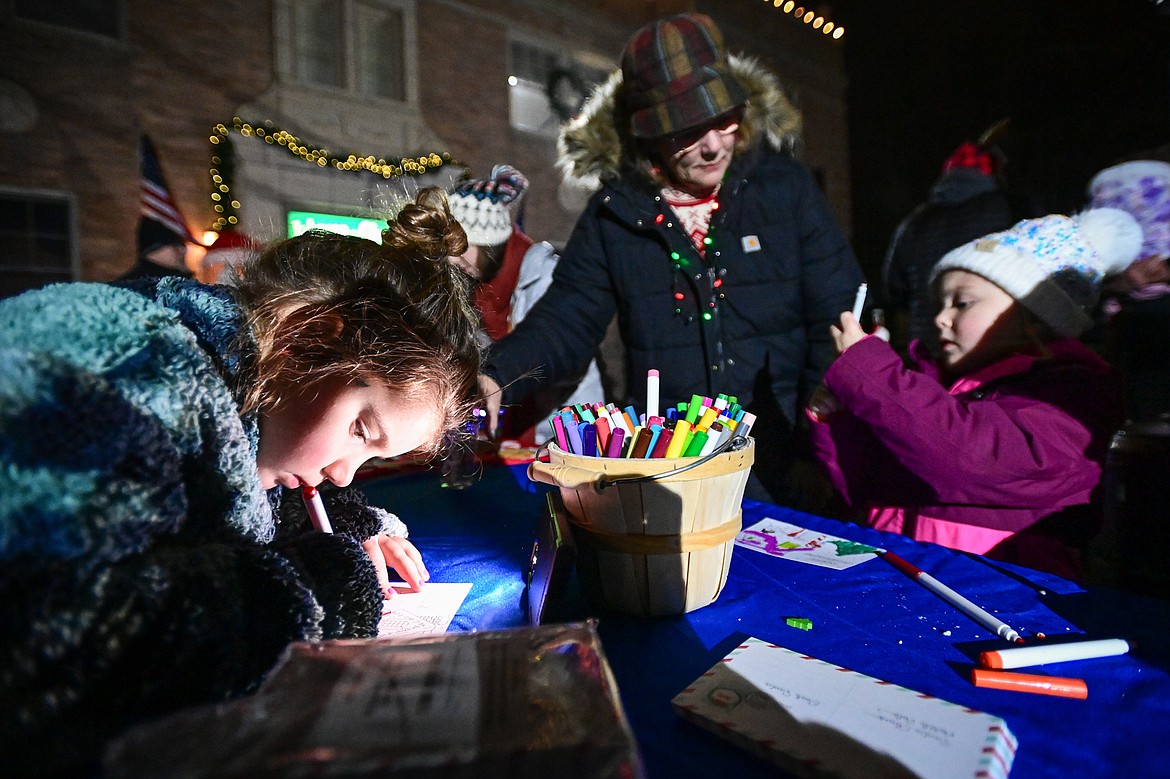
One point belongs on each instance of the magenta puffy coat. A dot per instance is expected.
(1006, 462)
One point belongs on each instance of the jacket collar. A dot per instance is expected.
(1065, 350)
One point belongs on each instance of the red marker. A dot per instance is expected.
(316, 509)
(1000, 629)
(1063, 687)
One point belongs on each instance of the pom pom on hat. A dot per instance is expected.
(1054, 265)
(1141, 188)
(484, 207)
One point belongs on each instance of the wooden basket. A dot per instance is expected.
(651, 547)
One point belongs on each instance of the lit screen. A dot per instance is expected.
(301, 221)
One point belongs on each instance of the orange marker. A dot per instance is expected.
(1059, 686)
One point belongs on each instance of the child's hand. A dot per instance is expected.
(848, 333)
(387, 551)
(823, 403)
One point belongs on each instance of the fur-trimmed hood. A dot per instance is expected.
(595, 147)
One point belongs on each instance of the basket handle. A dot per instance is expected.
(567, 476)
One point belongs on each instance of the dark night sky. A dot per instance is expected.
(1086, 82)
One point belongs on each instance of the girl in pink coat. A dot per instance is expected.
(997, 447)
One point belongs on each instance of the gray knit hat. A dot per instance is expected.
(1053, 265)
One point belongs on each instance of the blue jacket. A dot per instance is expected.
(142, 565)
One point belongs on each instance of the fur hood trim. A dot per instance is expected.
(592, 148)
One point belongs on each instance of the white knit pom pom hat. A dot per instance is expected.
(1053, 265)
(485, 207)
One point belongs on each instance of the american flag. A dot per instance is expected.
(157, 203)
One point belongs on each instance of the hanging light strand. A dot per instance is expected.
(810, 17)
(226, 206)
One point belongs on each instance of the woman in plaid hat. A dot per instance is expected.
(711, 244)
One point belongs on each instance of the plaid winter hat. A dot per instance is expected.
(1141, 188)
(1053, 266)
(483, 206)
(675, 76)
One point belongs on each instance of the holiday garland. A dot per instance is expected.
(223, 164)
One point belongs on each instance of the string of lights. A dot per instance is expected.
(810, 17)
(222, 166)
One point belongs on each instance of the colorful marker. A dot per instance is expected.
(1041, 654)
(663, 443)
(679, 440)
(695, 444)
(316, 509)
(744, 428)
(588, 439)
(1059, 686)
(859, 301)
(651, 393)
(573, 431)
(950, 596)
(614, 447)
(559, 429)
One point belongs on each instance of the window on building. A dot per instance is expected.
(103, 17)
(547, 86)
(36, 242)
(355, 46)
(319, 39)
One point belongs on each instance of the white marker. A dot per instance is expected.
(316, 509)
(651, 393)
(1042, 654)
(859, 301)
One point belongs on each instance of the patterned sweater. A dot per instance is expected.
(143, 567)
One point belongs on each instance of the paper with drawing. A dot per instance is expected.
(422, 613)
(780, 539)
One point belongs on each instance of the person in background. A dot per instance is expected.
(155, 551)
(161, 252)
(712, 245)
(996, 447)
(487, 209)
(969, 199)
(1138, 305)
(512, 272)
(229, 252)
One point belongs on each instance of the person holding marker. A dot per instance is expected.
(155, 550)
(709, 241)
(510, 272)
(997, 447)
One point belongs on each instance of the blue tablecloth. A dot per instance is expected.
(870, 618)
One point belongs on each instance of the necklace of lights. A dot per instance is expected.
(222, 163)
(685, 265)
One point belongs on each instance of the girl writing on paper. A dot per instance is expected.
(154, 552)
(997, 447)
